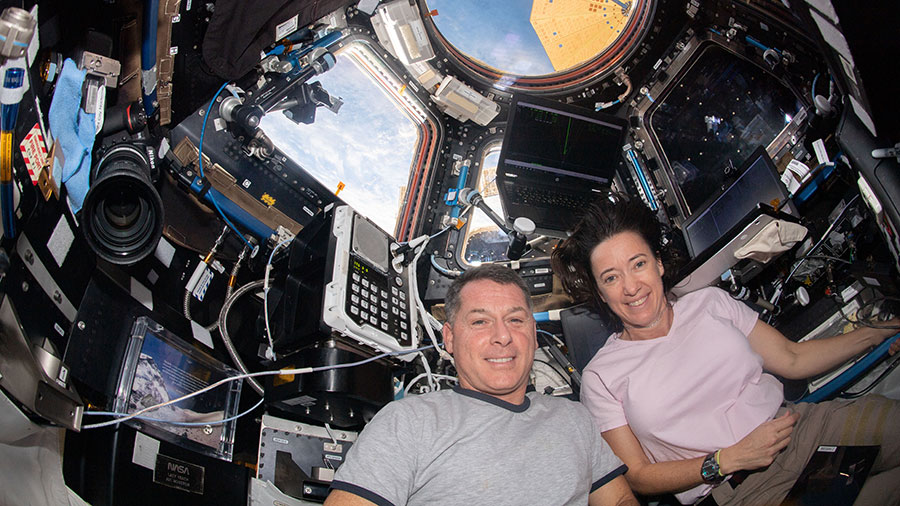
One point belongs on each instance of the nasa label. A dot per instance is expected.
(178, 474)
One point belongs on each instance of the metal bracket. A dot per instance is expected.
(37, 269)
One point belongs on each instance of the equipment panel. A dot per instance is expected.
(369, 297)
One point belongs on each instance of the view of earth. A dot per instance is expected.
(368, 146)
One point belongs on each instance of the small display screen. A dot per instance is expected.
(370, 243)
(710, 121)
(567, 142)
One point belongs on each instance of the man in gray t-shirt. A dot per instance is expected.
(486, 441)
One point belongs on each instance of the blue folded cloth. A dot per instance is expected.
(74, 130)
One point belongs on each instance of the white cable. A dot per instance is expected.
(399, 258)
(414, 288)
(441, 231)
(431, 383)
(411, 383)
(414, 292)
(435, 324)
(554, 337)
(286, 372)
(182, 424)
(419, 377)
(425, 315)
(439, 346)
(270, 353)
(466, 210)
(198, 392)
(558, 341)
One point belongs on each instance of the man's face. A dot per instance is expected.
(492, 338)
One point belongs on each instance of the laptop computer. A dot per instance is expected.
(706, 268)
(556, 159)
(730, 219)
(758, 183)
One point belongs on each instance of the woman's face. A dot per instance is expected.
(629, 278)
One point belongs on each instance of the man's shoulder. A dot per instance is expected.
(537, 398)
(417, 401)
(444, 402)
(413, 413)
(558, 406)
(421, 404)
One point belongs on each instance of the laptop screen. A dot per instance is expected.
(562, 139)
(758, 183)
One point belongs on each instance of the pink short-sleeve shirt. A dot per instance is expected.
(696, 390)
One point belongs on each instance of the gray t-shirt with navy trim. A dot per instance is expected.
(465, 448)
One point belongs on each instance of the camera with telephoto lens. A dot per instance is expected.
(123, 213)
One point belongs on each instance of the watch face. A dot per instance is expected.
(710, 469)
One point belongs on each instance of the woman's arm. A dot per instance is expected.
(342, 498)
(648, 478)
(614, 493)
(801, 360)
(757, 450)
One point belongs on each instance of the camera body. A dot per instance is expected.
(123, 213)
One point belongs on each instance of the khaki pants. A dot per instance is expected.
(869, 420)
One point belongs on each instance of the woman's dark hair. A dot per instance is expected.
(603, 219)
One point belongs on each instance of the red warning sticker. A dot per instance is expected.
(34, 152)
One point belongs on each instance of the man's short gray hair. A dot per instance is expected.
(493, 272)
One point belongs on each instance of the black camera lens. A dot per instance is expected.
(123, 214)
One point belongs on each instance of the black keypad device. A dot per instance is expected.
(371, 295)
(378, 300)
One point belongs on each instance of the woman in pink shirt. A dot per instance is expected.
(682, 392)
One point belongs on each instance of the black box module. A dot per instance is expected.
(121, 465)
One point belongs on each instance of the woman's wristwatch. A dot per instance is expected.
(710, 469)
